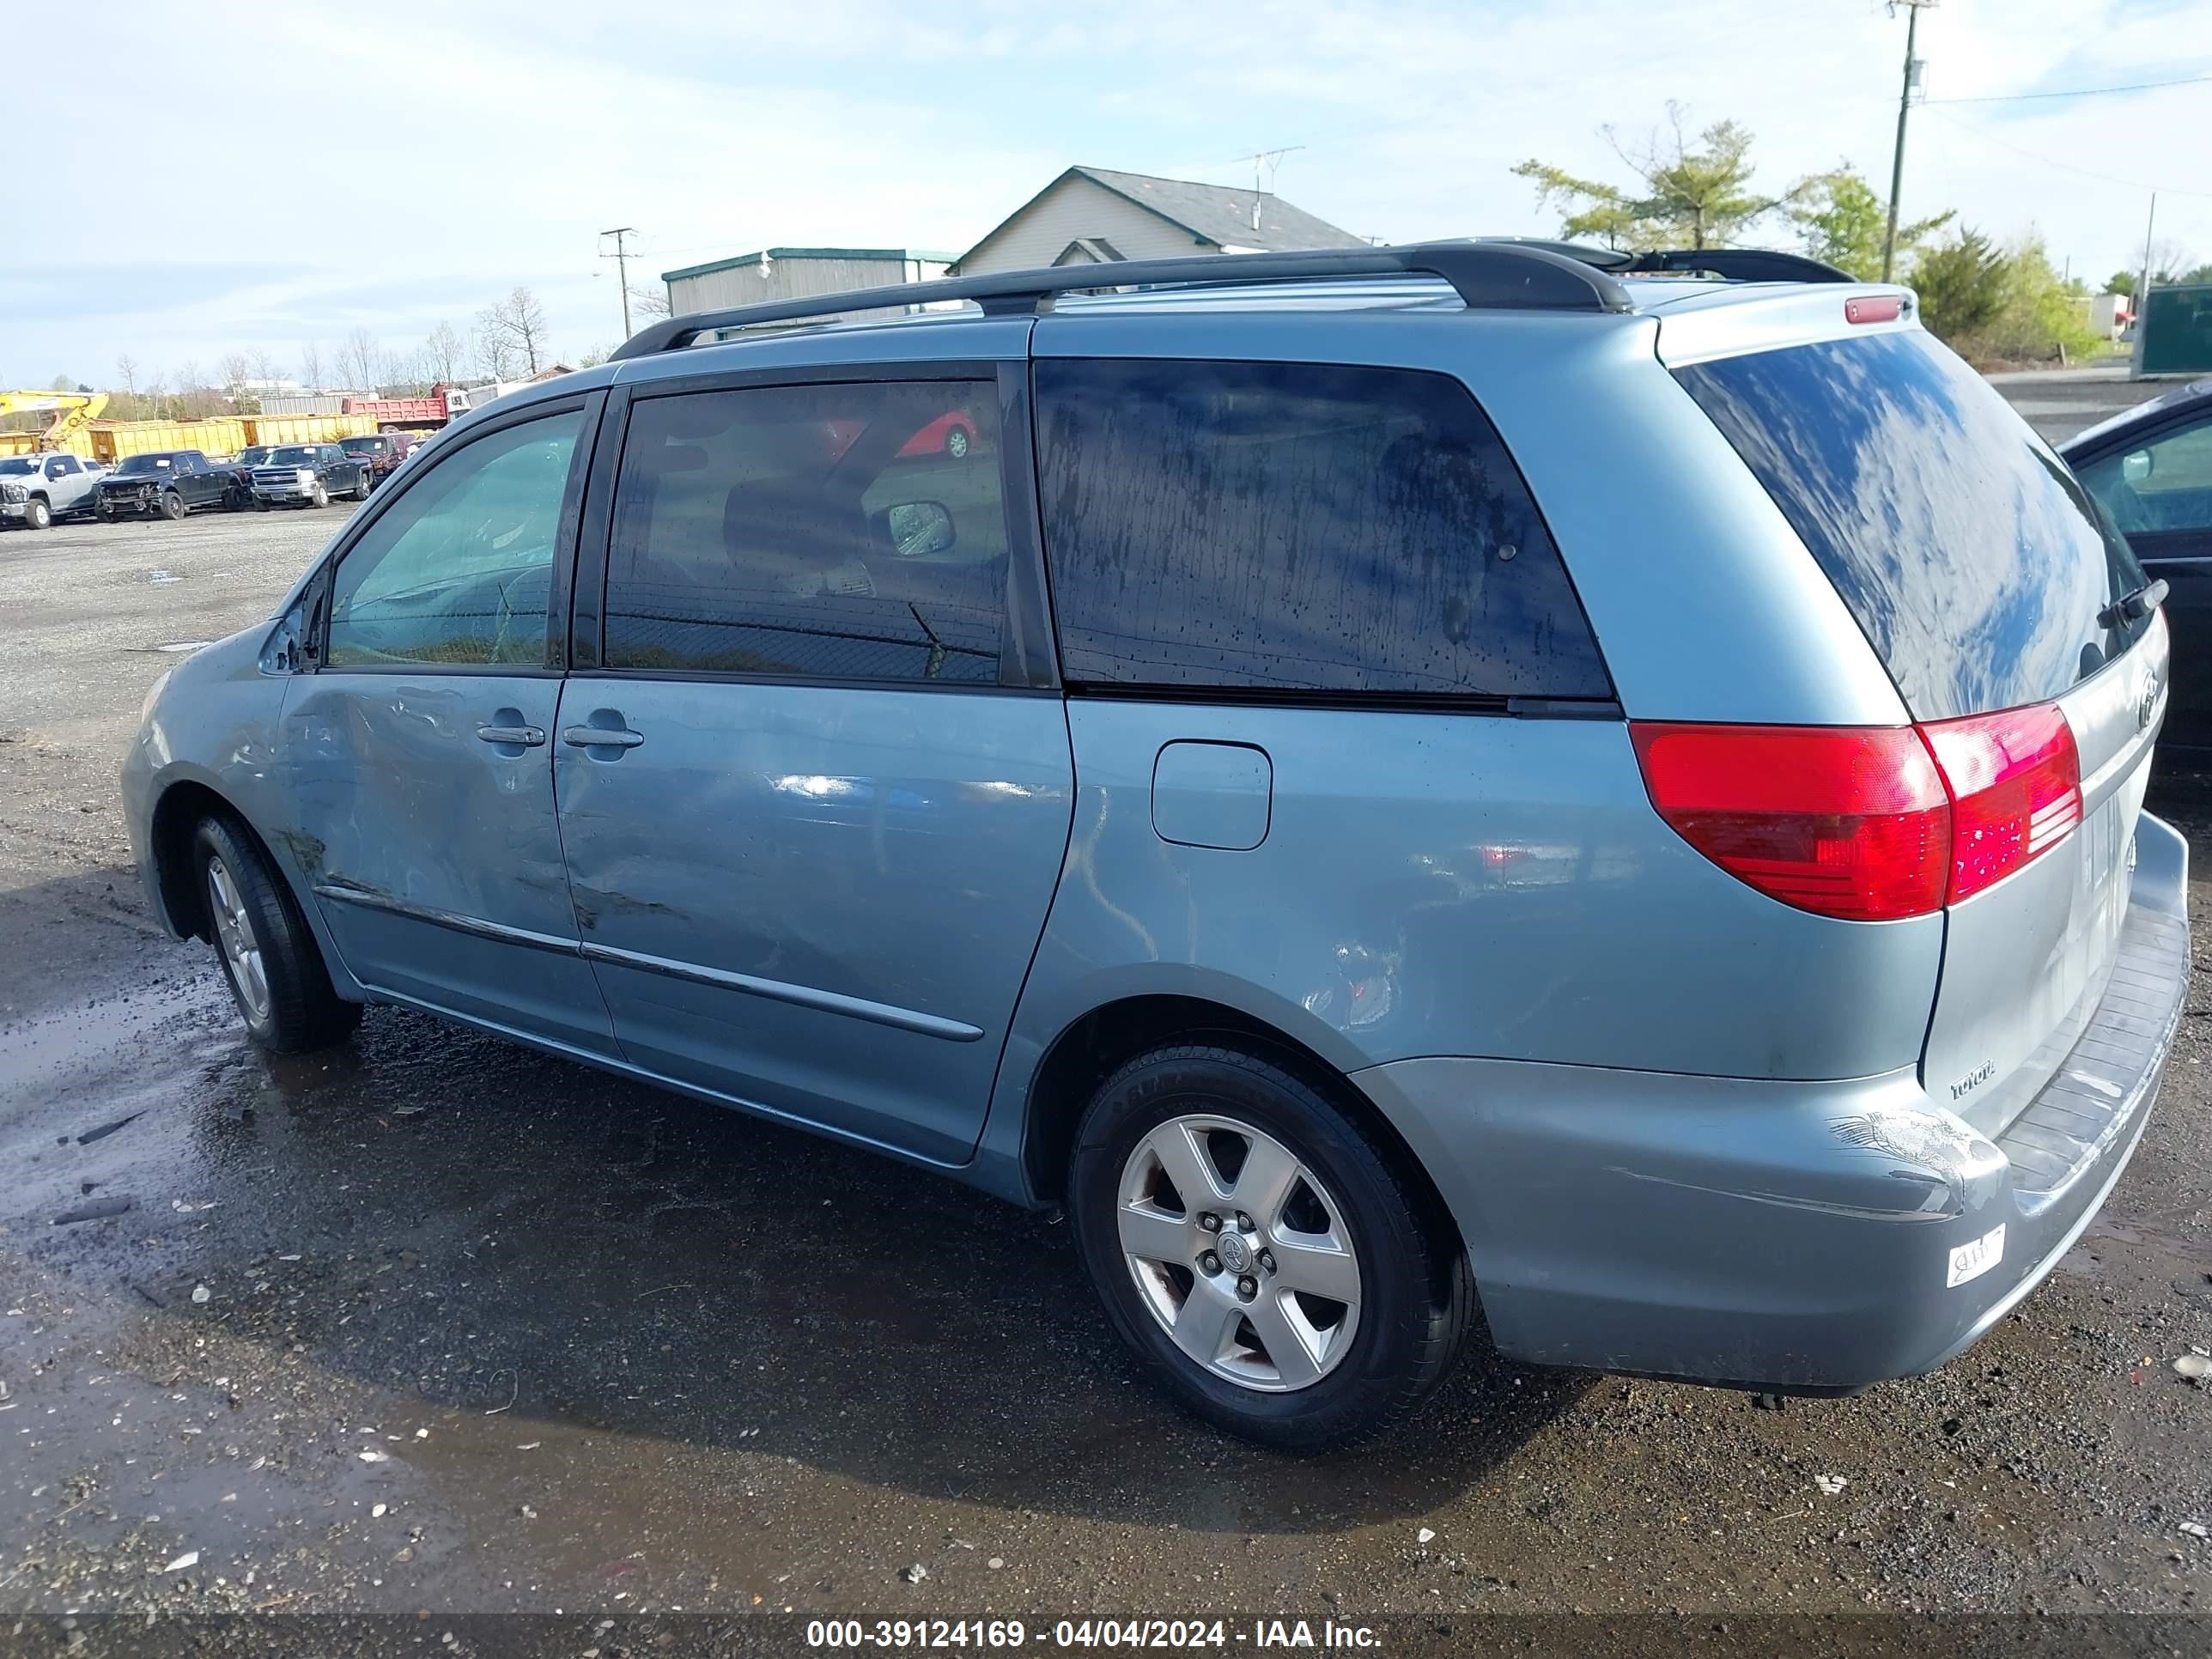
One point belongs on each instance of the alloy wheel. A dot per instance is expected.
(1239, 1252)
(235, 937)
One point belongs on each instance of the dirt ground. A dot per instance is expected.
(436, 1325)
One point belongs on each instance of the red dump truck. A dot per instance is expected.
(405, 414)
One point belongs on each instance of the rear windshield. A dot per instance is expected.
(1972, 558)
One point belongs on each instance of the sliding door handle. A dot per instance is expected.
(602, 737)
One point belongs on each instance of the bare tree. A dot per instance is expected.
(2169, 259)
(404, 373)
(236, 367)
(359, 357)
(519, 322)
(650, 303)
(264, 367)
(126, 370)
(195, 397)
(311, 367)
(441, 354)
(489, 347)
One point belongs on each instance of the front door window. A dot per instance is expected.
(459, 570)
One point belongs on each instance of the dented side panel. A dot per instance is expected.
(432, 856)
(820, 900)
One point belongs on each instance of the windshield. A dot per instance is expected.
(293, 455)
(145, 464)
(253, 455)
(15, 466)
(361, 446)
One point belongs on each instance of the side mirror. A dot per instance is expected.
(2137, 466)
(917, 530)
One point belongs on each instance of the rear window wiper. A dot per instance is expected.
(2134, 605)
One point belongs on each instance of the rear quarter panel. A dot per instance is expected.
(1454, 885)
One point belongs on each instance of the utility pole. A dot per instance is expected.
(1904, 108)
(621, 256)
(2141, 305)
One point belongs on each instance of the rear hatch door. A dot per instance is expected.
(1985, 579)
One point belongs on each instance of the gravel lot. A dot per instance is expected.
(433, 1323)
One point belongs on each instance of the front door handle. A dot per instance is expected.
(524, 736)
(602, 737)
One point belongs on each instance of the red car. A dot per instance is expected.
(951, 434)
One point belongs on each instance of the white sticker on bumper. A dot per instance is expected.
(1972, 1260)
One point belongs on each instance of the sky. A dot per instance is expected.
(263, 179)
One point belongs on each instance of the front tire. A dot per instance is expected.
(37, 515)
(172, 506)
(317, 495)
(1271, 1262)
(270, 958)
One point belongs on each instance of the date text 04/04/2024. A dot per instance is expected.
(1158, 1633)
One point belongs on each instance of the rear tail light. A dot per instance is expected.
(2016, 786)
(1867, 823)
(1843, 820)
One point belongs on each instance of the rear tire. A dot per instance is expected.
(173, 505)
(270, 957)
(1367, 1356)
(360, 492)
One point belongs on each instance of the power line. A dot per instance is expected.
(2078, 92)
(2069, 167)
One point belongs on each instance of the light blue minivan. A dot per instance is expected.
(1598, 793)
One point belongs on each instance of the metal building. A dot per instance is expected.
(797, 273)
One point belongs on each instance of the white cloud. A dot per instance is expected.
(349, 166)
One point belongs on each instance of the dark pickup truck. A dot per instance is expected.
(309, 475)
(383, 453)
(172, 483)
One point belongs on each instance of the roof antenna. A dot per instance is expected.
(1271, 159)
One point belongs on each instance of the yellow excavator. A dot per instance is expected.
(72, 410)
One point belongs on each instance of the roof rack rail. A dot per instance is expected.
(1741, 264)
(1738, 264)
(1487, 276)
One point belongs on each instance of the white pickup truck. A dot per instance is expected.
(36, 489)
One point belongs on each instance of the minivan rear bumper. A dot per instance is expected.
(1798, 1237)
